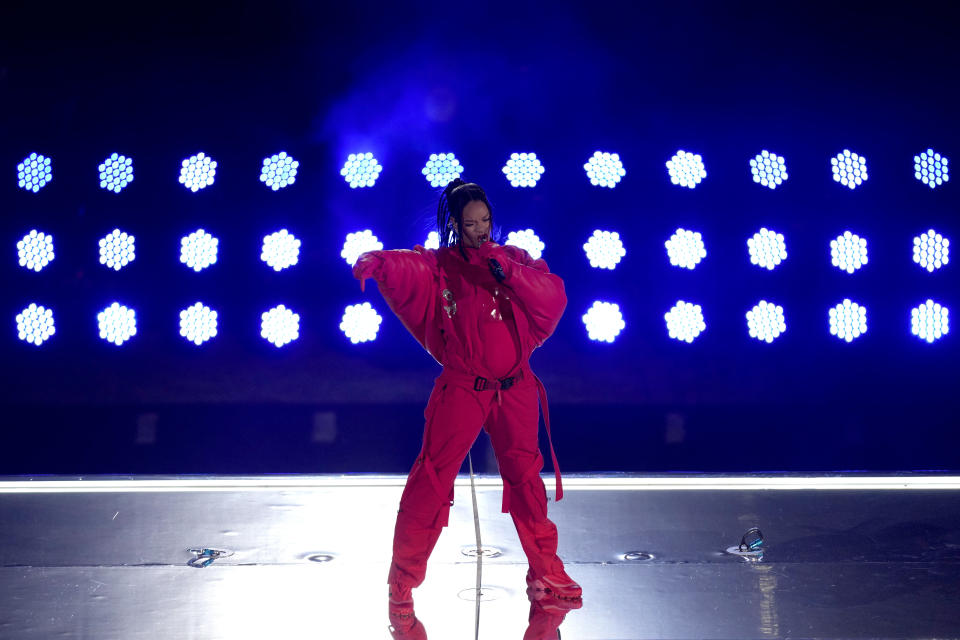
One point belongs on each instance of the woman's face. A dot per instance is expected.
(476, 226)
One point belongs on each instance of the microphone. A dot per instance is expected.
(496, 269)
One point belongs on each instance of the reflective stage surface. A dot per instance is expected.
(842, 556)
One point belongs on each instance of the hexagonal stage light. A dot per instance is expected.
(360, 323)
(35, 324)
(116, 172)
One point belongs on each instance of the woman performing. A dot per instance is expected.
(480, 309)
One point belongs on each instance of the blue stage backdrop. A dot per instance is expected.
(805, 133)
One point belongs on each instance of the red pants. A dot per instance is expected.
(454, 416)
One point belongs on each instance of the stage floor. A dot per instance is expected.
(846, 556)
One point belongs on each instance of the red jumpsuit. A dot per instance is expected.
(482, 331)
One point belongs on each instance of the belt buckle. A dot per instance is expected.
(479, 384)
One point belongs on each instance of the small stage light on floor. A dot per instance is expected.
(486, 552)
(487, 594)
(204, 557)
(750, 547)
(320, 557)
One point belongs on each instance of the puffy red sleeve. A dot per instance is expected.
(540, 293)
(406, 280)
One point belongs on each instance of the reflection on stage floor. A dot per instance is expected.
(844, 555)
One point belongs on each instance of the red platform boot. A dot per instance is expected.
(403, 621)
(557, 584)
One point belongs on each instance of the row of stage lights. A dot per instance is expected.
(603, 321)
(604, 249)
(603, 169)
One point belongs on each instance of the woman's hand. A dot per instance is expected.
(487, 248)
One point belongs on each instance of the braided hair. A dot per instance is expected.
(453, 200)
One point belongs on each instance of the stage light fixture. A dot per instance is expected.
(360, 323)
(931, 168)
(359, 243)
(765, 321)
(848, 252)
(523, 170)
(604, 169)
(117, 249)
(685, 321)
(197, 172)
(281, 249)
(769, 169)
(361, 170)
(528, 241)
(603, 321)
(441, 169)
(198, 323)
(849, 169)
(35, 250)
(685, 248)
(35, 324)
(116, 172)
(930, 321)
(117, 323)
(199, 250)
(604, 249)
(34, 172)
(767, 248)
(686, 169)
(433, 241)
(279, 325)
(848, 320)
(931, 250)
(279, 171)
